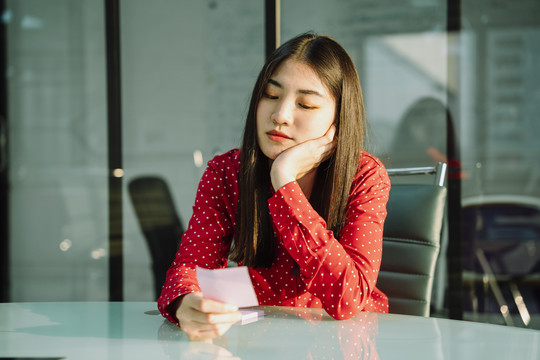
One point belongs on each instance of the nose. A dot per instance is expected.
(282, 114)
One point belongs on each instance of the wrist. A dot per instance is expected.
(173, 307)
(279, 180)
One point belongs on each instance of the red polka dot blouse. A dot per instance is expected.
(339, 276)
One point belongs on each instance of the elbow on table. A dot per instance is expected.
(345, 310)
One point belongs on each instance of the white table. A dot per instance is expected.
(135, 330)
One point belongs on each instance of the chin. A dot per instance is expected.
(272, 155)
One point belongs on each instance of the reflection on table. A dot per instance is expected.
(132, 330)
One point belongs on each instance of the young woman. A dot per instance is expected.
(301, 203)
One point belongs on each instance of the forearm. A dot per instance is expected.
(180, 280)
(342, 274)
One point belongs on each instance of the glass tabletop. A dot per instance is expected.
(131, 330)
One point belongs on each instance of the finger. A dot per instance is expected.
(212, 306)
(200, 303)
(328, 138)
(195, 319)
(192, 325)
(330, 134)
(328, 150)
(327, 144)
(216, 318)
(330, 147)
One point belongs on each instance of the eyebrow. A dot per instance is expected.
(301, 91)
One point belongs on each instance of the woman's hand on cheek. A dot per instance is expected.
(202, 319)
(300, 159)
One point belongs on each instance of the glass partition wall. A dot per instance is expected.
(187, 77)
(456, 82)
(442, 81)
(57, 162)
(501, 162)
(401, 52)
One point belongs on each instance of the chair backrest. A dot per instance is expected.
(159, 222)
(505, 228)
(411, 243)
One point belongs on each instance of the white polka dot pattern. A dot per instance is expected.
(337, 275)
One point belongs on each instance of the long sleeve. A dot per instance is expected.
(341, 273)
(207, 239)
(338, 275)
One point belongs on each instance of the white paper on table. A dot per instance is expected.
(229, 285)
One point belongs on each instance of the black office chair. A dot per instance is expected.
(501, 235)
(411, 241)
(159, 222)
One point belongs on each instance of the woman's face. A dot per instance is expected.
(296, 106)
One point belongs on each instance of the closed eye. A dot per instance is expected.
(269, 96)
(307, 107)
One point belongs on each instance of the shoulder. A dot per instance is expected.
(371, 169)
(226, 165)
(369, 161)
(230, 159)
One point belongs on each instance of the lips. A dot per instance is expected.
(277, 136)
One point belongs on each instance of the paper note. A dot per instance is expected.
(229, 285)
(249, 316)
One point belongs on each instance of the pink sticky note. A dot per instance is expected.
(249, 316)
(229, 285)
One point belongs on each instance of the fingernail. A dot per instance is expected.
(231, 307)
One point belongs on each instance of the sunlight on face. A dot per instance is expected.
(296, 106)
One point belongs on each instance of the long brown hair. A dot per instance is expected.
(254, 244)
